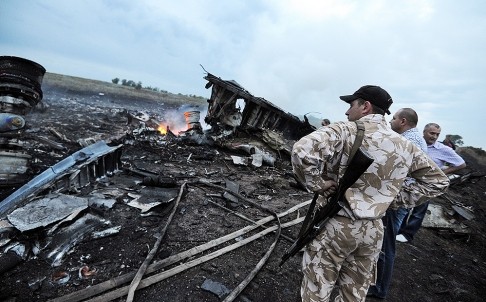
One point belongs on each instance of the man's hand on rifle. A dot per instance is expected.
(329, 187)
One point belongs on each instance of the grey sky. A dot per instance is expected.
(299, 54)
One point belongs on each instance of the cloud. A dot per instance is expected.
(300, 55)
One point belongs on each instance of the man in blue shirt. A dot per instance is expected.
(448, 160)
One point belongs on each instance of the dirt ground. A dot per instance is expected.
(439, 265)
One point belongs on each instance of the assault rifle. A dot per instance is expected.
(316, 220)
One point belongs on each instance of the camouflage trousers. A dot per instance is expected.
(344, 254)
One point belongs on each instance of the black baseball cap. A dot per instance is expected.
(373, 94)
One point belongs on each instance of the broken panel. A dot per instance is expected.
(74, 172)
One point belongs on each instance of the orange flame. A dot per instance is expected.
(162, 128)
(165, 127)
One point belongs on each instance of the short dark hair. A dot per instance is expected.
(376, 109)
(410, 115)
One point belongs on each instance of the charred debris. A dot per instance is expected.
(139, 162)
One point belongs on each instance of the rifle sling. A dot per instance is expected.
(357, 141)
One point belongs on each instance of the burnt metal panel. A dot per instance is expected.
(72, 173)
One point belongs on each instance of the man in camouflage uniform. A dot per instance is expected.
(345, 252)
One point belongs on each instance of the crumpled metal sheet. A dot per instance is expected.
(436, 217)
(66, 238)
(45, 211)
(75, 171)
(216, 288)
(153, 197)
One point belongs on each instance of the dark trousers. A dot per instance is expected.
(391, 221)
(411, 225)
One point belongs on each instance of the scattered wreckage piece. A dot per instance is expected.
(464, 175)
(277, 142)
(457, 204)
(157, 200)
(60, 136)
(66, 238)
(46, 141)
(12, 255)
(72, 173)
(263, 147)
(141, 203)
(14, 105)
(192, 119)
(5, 229)
(85, 272)
(105, 286)
(437, 217)
(60, 277)
(234, 187)
(98, 200)
(46, 211)
(216, 288)
(159, 181)
(258, 154)
(59, 240)
(231, 191)
(14, 167)
(238, 160)
(463, 212)
(449, 214)
(257, 113)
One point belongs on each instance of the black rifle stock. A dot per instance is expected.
(357, 166)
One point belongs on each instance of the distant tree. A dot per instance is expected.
(456, 139)
(151, 88)
(138, 86)
(124, 82)
(131, 83)
(115, 80)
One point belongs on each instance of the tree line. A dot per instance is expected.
(138, 86)
(131, 83)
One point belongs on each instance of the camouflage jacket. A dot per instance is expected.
(324, 153)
